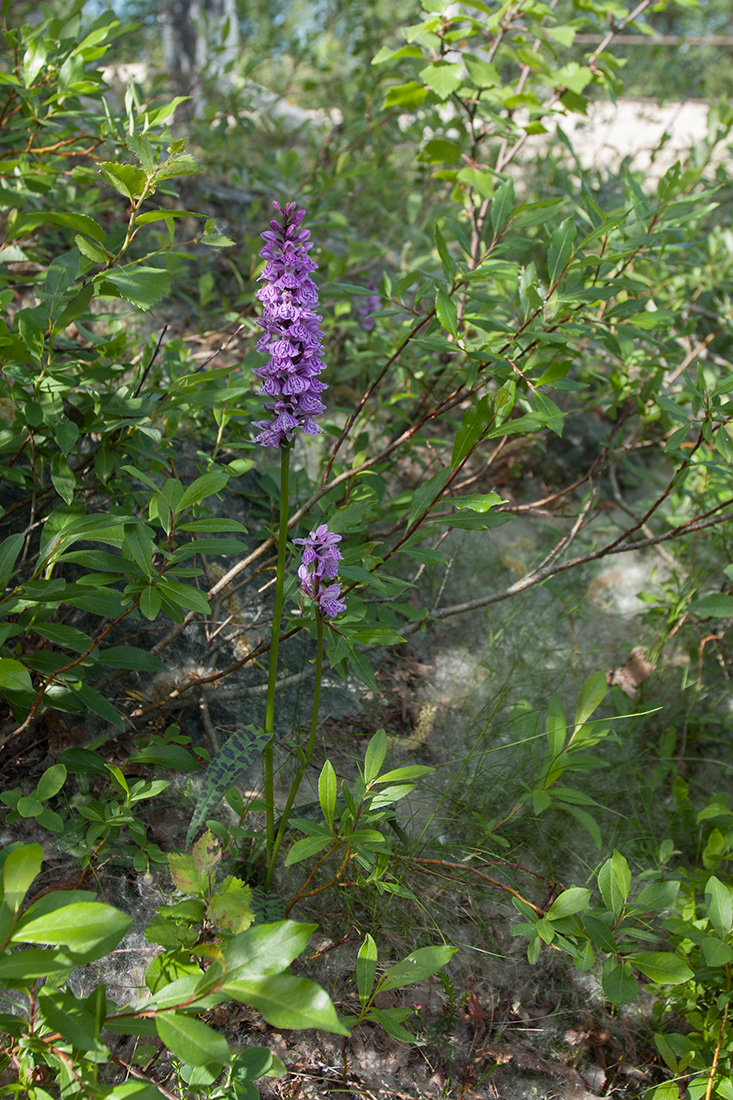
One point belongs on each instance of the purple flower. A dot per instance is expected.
(292, 336)
(320, 559)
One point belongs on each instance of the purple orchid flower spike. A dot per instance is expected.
(292, 336)
(320, 560)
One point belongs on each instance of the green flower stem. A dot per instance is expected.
(274, 644)
(304, 756)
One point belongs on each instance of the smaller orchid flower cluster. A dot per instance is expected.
(320, 562)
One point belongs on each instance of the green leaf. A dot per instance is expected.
(375, 754)
(14, 676)
(502, 204)
(143, 286)
(205, 486)
(185, 595)
(660, 895)
(560, 249)
(427, 494)
(125, 178)
(68, 637)
(719, 905)
(264, 950)
(187, 877)
(366, 968)
(92, 251)
(327, 787)
(592, 694)
(419, 964)
(307, 847)
(481, 181)
(27, 222)
(614, 882)
(556, 727)
(20, 868)
(446, 259)
(97, 703)
(51, 782)
(230, 909)
(386, 53)
(476, 420)
(409, 771)
(619, 984)
(482, 73)
(444, 77)
(9, 550)
(129, 656)
(78, 1020)
(287, 1001)
(661, 966)
(62, 477)
(191, 1040)
(714, 606)
(150, 603)
(447, 312)
(600, 933)
(409, 95)
(567, 903)
(25, 967)
(84, 927)
(391, 1020)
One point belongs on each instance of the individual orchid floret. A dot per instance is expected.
(292, 336)
(320, 560)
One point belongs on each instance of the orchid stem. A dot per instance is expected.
(272, 677)
(304, 756)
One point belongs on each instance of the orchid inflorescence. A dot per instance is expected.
(320, 561)
(292, 336)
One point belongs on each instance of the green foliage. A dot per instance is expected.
(516, 292)
(55, 1030)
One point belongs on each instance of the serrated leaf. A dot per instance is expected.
(409, 95)
(90, 249)
(126, 179)
(444, 77)
(230, 908)
(144, 287)
(187, 877)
